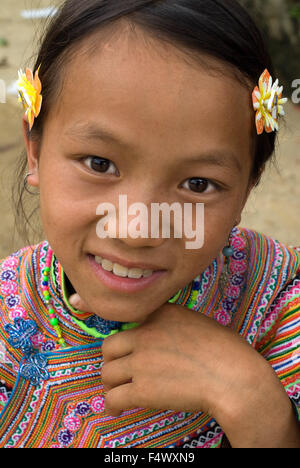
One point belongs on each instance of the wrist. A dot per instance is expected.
(262, 417)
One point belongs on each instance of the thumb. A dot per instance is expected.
(77, 303)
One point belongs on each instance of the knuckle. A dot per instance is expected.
(105, 373)
(145, 336)
(137, 361)
(109, 400)
(106, 345)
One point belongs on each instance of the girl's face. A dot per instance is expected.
(171, 123)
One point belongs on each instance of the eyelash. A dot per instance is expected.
(84, 160)
(215, 186)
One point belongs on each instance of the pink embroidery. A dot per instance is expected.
(238, 266)
(18, 312)
(223, 317)
(37, 339)
(9, 287)
(3, 398)
(238, 243)
(10, 262)
(72, 423)
(97, 404)
(233, 291)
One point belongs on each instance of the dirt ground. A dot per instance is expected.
(273, 208)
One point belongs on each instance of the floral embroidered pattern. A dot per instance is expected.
(68, 409)
(34, 368)
(9, 287)
(48, 345)
(4, 395)
(74, 418)
(12, 301)
(20, 335)
(65, 437)
(235, 281)
(18, 312)
(101, 325)
(8, 275)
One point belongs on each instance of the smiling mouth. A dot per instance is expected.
(121, 270)
(120, 278)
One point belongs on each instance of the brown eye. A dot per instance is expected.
(100, 165)
(199, 185)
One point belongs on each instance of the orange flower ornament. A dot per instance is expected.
(29, 89)
(268, 103)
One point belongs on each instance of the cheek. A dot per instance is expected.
(63, 218)
(63, 206)
(218, 224)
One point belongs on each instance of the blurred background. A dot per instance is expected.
(274, 206)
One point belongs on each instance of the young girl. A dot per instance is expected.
(165, 102)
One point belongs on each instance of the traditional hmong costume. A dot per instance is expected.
(51, 397)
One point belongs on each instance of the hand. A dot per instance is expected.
(176, 359)
(181, 360)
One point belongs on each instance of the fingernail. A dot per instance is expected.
(74, 300)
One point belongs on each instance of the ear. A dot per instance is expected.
(32, 149)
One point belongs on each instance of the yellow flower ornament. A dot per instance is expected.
(268, 103)
(29, 89)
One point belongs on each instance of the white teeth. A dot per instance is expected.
(119, 270)
(147, 273)
(107, 265)
(136, 273)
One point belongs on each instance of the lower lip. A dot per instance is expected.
(117, 283)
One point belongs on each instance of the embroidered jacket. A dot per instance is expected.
(54, 398)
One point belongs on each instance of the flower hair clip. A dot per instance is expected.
(29, 89)
(268, 103)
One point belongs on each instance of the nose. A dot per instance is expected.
(136, 224)
(137, 227)
(142, 242)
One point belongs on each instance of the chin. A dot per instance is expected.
(125, 317)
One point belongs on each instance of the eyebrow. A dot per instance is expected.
(88, 130)
(217, 158)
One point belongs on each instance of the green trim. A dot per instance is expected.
(65, 295)
(174, 298)
(92, 331)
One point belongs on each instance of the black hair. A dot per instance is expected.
(221, 29)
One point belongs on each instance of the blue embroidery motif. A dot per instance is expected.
(34, 365)
(34, 368)
(101, 325)
(20, 333)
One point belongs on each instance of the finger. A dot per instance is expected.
(76, 302)
(116, 373)
(120, 399)
(117, 346)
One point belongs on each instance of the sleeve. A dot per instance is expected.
(279, 340)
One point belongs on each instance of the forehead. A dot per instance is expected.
(150, 92)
